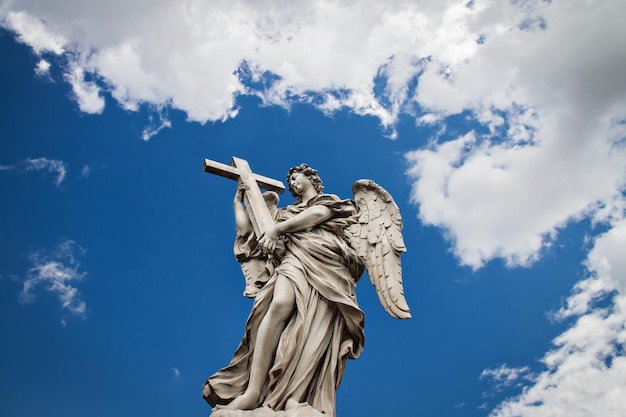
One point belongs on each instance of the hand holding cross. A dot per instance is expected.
(256, 208)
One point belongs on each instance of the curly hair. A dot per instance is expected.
(308, 172)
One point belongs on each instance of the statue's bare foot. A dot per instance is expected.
(246, 401)
(292, 404)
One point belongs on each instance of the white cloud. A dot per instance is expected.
(154, 126)
(505, 375)
(585, 374)
(57, 271)
(86, 171)
(607, 258)
(42, 68)
(552, 146)
(189, 55)
(86, 93)
(44, 164)
(56, 167)
(513, 67)
(32, 31)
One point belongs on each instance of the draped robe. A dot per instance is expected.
(326, 327)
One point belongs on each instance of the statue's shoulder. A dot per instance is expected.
(322, 198)
(339, 207)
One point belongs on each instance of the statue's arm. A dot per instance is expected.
(242, 221)
(310, 217)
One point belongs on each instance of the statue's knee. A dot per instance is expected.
(282, 307)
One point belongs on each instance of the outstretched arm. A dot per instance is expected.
(310, 217)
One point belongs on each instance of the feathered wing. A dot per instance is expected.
(378, 239)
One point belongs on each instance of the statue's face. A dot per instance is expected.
(299, 183)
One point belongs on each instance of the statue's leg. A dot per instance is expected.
(268, 335)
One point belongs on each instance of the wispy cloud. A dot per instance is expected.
(585, 373)
(86, 171)
(505, 376)
(52, 166)
(155, 126)
(57, 271)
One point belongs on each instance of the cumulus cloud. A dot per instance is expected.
(550, 146)
(86, 93)
(585, 373)
(56, 271)
(42, 68)
(53, 166)
(514, 69)
(199, 56)
(32, 31)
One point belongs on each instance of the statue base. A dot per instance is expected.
(303, 411)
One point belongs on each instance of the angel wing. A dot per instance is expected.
(377, 237)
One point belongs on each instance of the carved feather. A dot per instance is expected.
(378, 240)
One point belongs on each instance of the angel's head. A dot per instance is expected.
(309, 173)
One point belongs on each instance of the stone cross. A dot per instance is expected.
(256, 208)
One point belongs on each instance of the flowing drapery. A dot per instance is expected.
(326, 327)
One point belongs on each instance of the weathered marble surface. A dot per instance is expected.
(304, 411)
(302, 263)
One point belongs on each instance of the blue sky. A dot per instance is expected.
(503, 148)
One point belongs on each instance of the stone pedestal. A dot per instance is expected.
(304, 411)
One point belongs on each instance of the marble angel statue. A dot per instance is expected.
(302, 271)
